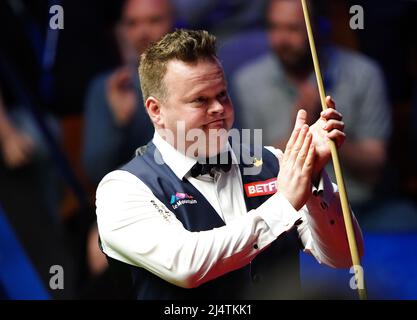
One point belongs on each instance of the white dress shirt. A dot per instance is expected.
(135, 227)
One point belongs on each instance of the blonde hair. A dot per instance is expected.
(185, 45)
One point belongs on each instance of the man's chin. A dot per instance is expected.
(208, 149)
(216, 147)
(290, 63)
(287, 59)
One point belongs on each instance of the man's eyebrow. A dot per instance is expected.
(192, 93)
(202, 92)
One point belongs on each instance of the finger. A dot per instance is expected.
(290, 143)
(20, 152)
(28, 144)
(337, 136)
(299, 122)
(112, 82)
(27, 152)
(301, 118)
(330, 103)
(302, 155)
(8, 159)
(298, 144)
(331, 114)
(309, 161)
(118, 77)
(22, 160)
(15, 158)
(334, 124)
(125, 76)
(11, 163)
(121, 72)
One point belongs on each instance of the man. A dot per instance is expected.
(282, 81)
(184, 229)
(113, 106)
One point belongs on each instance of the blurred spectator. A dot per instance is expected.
(222, 18)
(115, 118)
(116, 123)
(282, 81)
(22, 145)
(17, 147)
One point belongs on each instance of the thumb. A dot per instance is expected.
(301, 118)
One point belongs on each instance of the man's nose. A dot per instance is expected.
(142, 30)
(216, 107)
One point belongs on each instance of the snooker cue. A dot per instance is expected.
(337, 168)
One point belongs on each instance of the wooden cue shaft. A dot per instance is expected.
(337, 168)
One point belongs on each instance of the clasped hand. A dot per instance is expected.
(307, 152)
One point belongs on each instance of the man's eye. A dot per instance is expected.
(200, 100)
(130, 23)
(222, 96)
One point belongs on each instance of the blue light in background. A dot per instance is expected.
(18, 278)
(390, 264)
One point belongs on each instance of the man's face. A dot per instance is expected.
(197, 97)
(286, 31)
(145, 21)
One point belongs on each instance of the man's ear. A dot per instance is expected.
(153, 106)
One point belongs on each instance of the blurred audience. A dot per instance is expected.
(23, 146)
(116, 122)
(280, 82)
(222, 18)
(17, 147)
(270, 74)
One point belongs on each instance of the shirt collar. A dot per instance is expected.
(179, 163)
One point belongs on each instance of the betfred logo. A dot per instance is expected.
(261, 188)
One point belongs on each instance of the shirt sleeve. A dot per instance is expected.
(322, 230)
(138, 229)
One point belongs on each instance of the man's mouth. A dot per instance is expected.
(216, 124)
